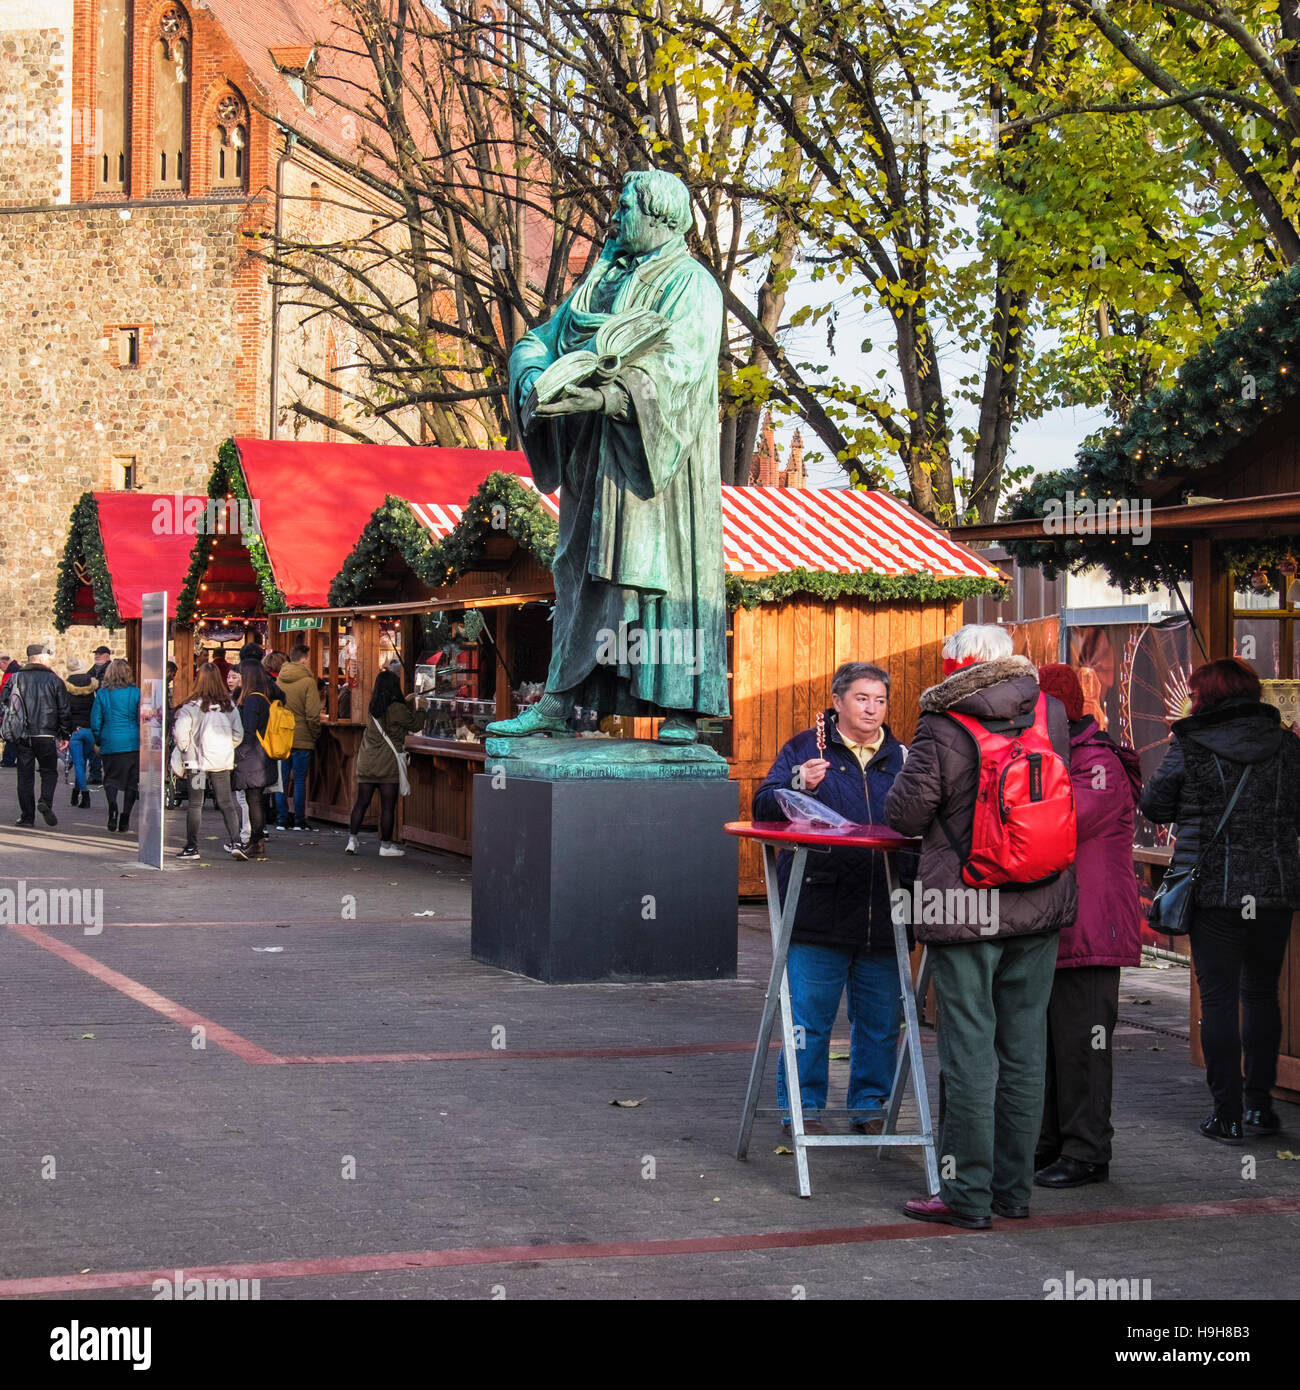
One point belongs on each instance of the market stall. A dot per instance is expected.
(1203, 485)
(815, 577)
(298, 511)
(121, 545)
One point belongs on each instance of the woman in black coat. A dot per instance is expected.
(1248, 884)
(253, 768)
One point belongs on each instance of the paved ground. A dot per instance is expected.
(374, 1115)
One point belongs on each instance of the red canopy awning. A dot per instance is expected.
(146, 546)
(314, 499)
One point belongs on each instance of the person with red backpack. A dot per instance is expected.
(1074, 1144)
(987, 786)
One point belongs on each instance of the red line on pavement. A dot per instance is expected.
(532, 1054)
(308, 922)
(142, 994)
(633, 1249)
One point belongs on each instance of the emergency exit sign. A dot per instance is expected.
(299, 624)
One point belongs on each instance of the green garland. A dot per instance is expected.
(228, 480)
(919, 588)
(85, 544)
(1224, 393)
(504, 504)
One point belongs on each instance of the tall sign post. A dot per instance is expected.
(153, 727)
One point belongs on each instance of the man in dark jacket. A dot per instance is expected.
(35, 707)
(992, 970)
(842, 930)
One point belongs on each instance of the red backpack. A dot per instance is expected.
(1023, 833)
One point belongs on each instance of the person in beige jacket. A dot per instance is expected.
(302, 700)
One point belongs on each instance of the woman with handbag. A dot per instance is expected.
(206, 732)
(254, 768)
(381, 761)
(1231, 781)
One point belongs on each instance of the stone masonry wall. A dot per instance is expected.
(69, 279)
(32, 91)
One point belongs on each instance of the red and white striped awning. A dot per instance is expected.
(441, 518)
(770, 530)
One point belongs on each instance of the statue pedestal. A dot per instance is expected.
(588, 877)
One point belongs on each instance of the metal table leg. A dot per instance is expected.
(909, 1053)
(781, 925)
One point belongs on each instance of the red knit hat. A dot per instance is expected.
(1063, 683)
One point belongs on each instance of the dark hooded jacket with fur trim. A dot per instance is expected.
(940, 779)
(1255, 855)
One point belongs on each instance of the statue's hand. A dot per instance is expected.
(574, 401)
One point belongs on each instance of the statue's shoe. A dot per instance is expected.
(531, 721)
(678, 729)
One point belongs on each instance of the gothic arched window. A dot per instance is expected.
(111, 135)
(229, 144)
(171, 134)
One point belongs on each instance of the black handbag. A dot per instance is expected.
(1171, 908)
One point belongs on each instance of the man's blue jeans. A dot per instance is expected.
(300, 765)
(818, 976)
(82, 747)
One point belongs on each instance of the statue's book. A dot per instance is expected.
(618, 341)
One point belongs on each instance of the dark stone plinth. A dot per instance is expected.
(582, 879)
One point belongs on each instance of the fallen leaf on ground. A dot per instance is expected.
(627, 1104)
(781, 1149)
(429, 913)
(1286, 1153)
(83, 1037)
(839, 1056)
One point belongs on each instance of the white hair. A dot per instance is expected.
(978, 642)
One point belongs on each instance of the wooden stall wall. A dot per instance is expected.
(783, 659)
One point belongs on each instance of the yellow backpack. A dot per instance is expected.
(278, 738)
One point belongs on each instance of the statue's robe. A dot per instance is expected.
(640, 547)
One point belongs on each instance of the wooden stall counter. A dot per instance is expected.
(439, 812)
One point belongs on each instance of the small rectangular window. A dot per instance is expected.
(221, 164)
(164, 165)
(105, 168)
(128, 347)
(121, 168)
(180, 164)
(239, 163)
(124, 477)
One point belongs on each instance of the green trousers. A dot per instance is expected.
(992, 1062)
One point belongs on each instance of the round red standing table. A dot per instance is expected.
(801, 840)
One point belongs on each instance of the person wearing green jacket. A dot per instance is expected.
(302, 700)
(389, 719)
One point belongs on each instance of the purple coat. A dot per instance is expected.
(1107, 782)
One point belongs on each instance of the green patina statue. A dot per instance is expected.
(616, 401)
